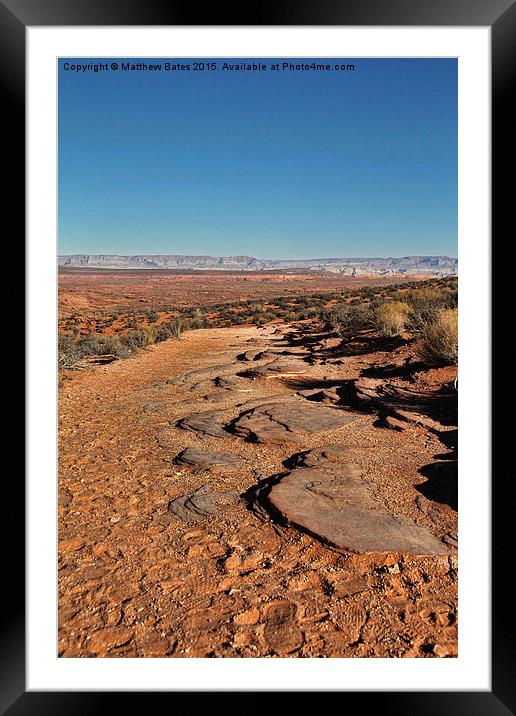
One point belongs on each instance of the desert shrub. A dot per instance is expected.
(347, 319)
(92, 345)
(310, 312)
(150, 331)
(168, 330)
(137, 338)
(163, 333)
(65, 342)
(67, 354)
(438, 343)
(67, 360)
(176, 327)
(289, 316)
(72, 350)
(198, 322)
(426, 304)
(112, 345)
(152, 316)
(281, 301)
(392, 317)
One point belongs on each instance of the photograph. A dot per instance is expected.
(257, 360)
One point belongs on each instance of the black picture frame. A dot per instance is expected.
(15, 17)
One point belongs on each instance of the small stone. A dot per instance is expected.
(203, 424)
(195, 458)
(302, 582)
(281, 631)
(422, 504)
(201, 504)
(233, 563)
(207, 551)
(154, 644)
(70, 545)
(355, 585)
(394, 424)
(451, 540)
(251, 616)
(105, 639)
(121, 592)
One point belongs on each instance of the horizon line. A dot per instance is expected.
(268, 258)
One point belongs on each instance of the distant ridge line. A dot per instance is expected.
(431, 265)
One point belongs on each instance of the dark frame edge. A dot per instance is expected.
(267, 12)
(12, 87)
(502, 700)
(503, 48)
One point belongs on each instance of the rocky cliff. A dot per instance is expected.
(432, 265)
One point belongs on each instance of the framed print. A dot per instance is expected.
(258, 289)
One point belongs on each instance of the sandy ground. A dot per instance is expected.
(137, 581)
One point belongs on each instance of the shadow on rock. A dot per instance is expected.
(255, 499)
(363, 344)
(394, 371)
(300, 383)
(442, 482)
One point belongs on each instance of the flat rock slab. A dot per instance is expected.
(204, 459)
(403, 419)
(266, 400)
(154, 407)
(404, 401)
(233, 382)
(335, 505)
(326, 395)
(277, 369)
(316, 456)
(201, 504)
(203, 424)
(288, 421)
(198, 376)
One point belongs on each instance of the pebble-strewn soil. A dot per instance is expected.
(161, 554)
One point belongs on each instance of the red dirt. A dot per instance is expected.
(136, 581)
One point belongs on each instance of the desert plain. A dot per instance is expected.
(262, 488)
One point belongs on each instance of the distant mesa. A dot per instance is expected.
(431, 265)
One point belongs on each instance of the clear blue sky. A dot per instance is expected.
(272, 164)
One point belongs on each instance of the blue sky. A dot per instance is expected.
(273, 164)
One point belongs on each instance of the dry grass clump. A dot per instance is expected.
(438, 343)
(392, 318)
